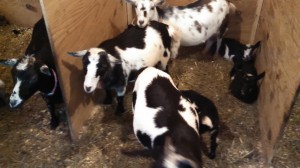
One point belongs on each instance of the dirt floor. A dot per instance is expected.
(27, 141)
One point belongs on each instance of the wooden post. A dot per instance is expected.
(280, 59)
(75, 25)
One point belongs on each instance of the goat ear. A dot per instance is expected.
(45, 70)
(8, 62)
(255, 48)
(158, 2)
(260, 76)
(78, 53)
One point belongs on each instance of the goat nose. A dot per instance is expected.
(141, 22)
(12, 103)
(88, 89)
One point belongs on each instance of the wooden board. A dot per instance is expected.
(280, 59)
(75, 25)
(22, 13)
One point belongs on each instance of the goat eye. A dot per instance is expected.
(33, 79)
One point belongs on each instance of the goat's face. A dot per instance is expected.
(26, 73)
(96, 65)
(145, 10)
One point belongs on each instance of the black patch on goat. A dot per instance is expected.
(133, 99)
(144, 139)
(163, 29)
(133, 36)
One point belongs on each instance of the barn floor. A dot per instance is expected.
(27, 141)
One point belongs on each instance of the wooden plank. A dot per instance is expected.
(280, 59)
(255, 22)
(22, 13)
(74, 25)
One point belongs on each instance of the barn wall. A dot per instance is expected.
(280, 59)
(75, 25)
(21, 12)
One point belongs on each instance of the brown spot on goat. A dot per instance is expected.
(198, 26)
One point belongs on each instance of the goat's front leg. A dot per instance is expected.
(120, 99)
(108, 97)
(54, 122)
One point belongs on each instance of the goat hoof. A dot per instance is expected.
(107, 101)
(54, 125)
(120, 111)
(212, 155)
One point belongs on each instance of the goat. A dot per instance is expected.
(36, 71)
(196, 22)
(208, 117)
(2, 93)
(232, 49)
(115, 60)
(164, 119)
(244, 81)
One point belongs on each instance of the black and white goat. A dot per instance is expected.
(165, 119)
(2, 93)
(232, 49)
(244, 81)
(196, 22)
(116, 59)
(35, 71)
(208, 117)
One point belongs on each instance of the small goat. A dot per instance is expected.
(2, 93)
(35, 71)
(116, 60)
(244, 81)
(165, 119)
(196, 22)
(208, 117)
(233, 50)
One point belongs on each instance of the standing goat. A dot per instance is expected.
(244, 81)
(115, 60)
(208, 117)
(164, 119)
(196, 22)
(35, 71)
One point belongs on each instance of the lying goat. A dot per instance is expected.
(196, 22)
(244, 81)
(165, 120)
(208, 117)
(116, 59)
(232, 49)
(35, 71)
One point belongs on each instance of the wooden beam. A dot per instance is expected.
(256, 19)
(280, 59)
(75, 25)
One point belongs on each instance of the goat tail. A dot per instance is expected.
(175, 41)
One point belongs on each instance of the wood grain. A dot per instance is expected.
(75, 25)
(23, 13)
(280, 59)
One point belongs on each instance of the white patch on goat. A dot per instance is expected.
(247, 52)
(90, 80)
(23, 64)
(149, 56)
(188, 115)
(226, 55)
(207, 121)
(15, 99)
(248, 74)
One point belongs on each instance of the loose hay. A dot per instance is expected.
(27, 141)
